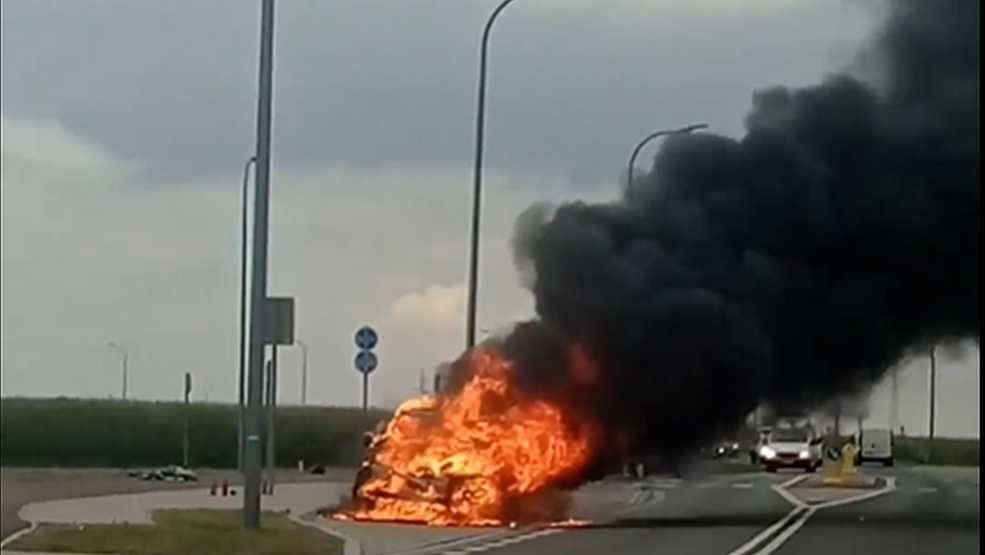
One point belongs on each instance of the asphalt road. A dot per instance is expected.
(930, 511)
(19, 486)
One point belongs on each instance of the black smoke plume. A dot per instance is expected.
(789, 267)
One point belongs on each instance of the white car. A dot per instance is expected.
(874, 445)
(794, 447)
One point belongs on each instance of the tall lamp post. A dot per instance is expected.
(304, 371)
(652, 136)
(242, 314)
(933, 392)
(123, 353)
(480, 125)
(258, 283)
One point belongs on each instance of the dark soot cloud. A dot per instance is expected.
(791, 266)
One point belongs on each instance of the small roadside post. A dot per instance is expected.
(184, 443)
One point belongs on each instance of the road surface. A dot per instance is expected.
(928, 511)
(20, 486)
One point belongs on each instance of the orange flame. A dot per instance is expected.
(465, 459)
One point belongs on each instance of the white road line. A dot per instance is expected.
(791, 498)
(742, 485)
(799, 514)
(486, 546)
(448, 543)
(23, 531)
(786, 533)
(795, 480)
(758, 538)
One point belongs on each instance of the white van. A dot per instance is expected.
(874, 445)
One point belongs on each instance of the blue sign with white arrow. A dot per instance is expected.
(365, 362)
(366, 338)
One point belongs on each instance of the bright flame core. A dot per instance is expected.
(469, 457)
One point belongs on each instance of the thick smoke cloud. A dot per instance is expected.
(789, 267)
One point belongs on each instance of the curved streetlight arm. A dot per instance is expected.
(650, 137)
(480, 123)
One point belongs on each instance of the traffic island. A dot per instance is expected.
(817, 490)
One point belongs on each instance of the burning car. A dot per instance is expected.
(373, 469)
(475, 456)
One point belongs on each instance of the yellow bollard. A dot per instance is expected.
(833, 466)
(848, 459)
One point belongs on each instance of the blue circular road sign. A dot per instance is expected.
(365, 362)
(366, 338)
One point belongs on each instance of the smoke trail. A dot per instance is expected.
(790, 266)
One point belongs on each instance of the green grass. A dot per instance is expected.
(186, 532)
(942, 451)
(80, 432)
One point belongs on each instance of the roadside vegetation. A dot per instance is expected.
(107, 433)
(943, 451)
(80, 432)
(185, 532)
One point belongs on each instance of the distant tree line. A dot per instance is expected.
(109, 433)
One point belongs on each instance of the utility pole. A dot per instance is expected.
(123, 352)
(258, 283)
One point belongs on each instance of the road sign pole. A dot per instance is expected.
(258, 283)
(271, 421)
(366, 361)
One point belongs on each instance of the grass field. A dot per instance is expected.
(79, 432)
(185, 532)
(943, 451)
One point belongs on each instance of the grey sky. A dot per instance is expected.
(125, 126)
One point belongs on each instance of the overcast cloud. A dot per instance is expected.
(125, 127)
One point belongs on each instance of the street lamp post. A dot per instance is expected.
(123, 353)
(480, 123)
(650, 137)
(242, 314)
(304, 371)
(252, 452)
(933, 392)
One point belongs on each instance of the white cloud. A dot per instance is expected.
(437, 309)
(46, 142)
